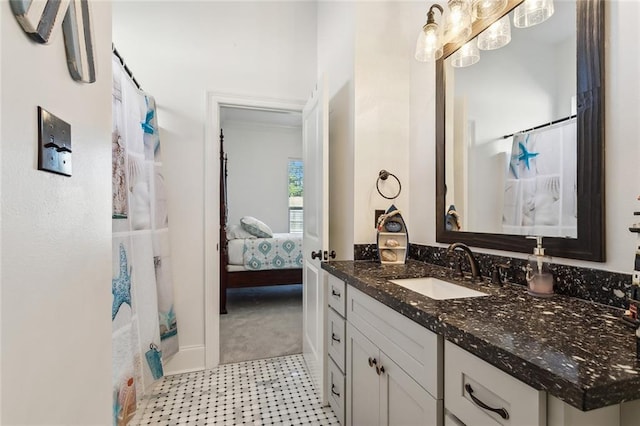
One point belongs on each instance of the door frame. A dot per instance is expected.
(215, 101)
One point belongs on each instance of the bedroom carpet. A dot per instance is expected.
(262, 322)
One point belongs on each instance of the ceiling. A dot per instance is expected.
(260, 116)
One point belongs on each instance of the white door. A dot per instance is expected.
(315, 155)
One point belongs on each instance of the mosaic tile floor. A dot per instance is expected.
(274, 391)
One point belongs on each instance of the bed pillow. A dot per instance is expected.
(256, 227)
(235, 232)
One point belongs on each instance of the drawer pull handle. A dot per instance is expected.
(380, 370)
(372, 362)
(500, 411)
(335, 338)
(334, 292)
(333, 390)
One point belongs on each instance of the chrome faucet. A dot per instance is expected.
(473, 263)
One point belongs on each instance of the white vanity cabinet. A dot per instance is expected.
(336, 345)
(393, 375)
(385, 369)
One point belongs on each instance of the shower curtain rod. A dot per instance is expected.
(559, 120)
(124, 65)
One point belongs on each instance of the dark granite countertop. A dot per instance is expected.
(578, 351)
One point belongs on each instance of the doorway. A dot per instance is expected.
(226, 108)
(263, 167)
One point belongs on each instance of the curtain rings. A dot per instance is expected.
(384, 175)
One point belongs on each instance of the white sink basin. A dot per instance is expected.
(437, 289)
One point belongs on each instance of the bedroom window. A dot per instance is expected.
(295, 195)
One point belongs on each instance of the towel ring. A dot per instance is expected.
(384, 175)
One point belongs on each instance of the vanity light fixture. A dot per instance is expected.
(496, 36)
(467, 55)
(459, 18)
(429, 45)
(532, 12)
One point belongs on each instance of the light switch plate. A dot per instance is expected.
(54, 143)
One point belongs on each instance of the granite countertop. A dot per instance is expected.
(578, 351)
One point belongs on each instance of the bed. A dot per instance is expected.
(253, 262)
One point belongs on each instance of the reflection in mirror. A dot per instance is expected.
(501, 176)
(537, 98)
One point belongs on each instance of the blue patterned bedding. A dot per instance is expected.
(283, 251)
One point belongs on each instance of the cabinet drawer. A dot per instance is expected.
(418, 350)
(337, 294)
(336, 381)
(336, 341)
(464, 372)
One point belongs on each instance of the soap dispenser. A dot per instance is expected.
(539, 276)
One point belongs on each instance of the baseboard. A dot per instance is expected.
(188, 359)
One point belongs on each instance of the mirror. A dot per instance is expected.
(486, 149)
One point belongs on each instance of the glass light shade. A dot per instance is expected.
(496, 36)
(467, 55)
(485, 9)
(458, 26)
(429, 45)
(532, 12)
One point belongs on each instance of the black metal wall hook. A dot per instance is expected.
(384, 175)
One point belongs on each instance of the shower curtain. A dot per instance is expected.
(540, 193)
(144, 324)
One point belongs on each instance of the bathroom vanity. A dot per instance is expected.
(498, 357)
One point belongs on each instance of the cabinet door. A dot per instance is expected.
(363, 406)
(403, 401)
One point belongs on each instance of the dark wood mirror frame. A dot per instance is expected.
(590, 132)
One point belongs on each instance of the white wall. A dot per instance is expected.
(178, 51)
(385, 80)
(377, 111)
(258, 159)
(622, 89)
(336, 54)
(56, 235)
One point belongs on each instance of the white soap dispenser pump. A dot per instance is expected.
(539, 276)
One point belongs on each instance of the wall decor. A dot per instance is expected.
(392, 238)
(41, 19)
